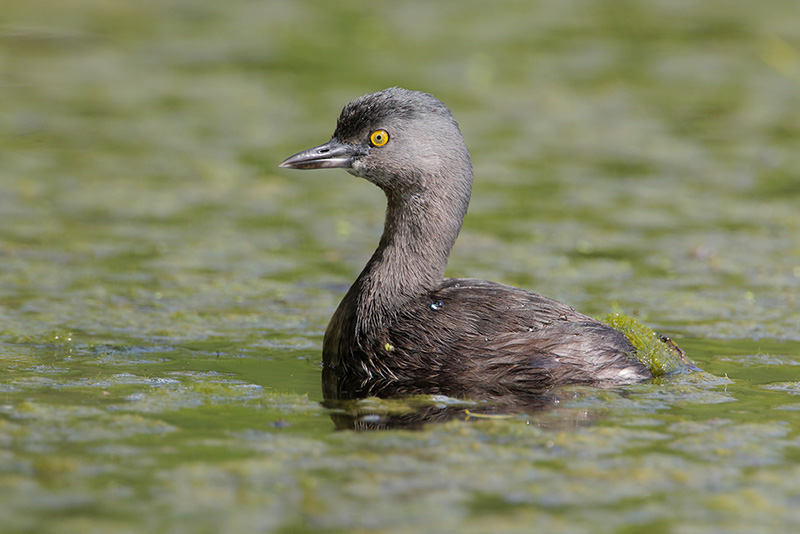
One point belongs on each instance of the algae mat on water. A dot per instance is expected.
(164, 288)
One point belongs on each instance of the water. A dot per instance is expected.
(164, 288)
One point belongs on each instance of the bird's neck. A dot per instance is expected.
(411, 258)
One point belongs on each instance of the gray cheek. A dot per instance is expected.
(361, 169)
(357, 168)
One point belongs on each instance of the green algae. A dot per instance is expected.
(659, 353)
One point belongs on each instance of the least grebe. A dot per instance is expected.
(403, 328)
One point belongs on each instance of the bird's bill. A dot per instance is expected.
(331, 155)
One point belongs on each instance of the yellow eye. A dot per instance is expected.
(379, 137)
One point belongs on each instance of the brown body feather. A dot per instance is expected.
(475, 339)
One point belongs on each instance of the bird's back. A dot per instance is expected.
(480, 339)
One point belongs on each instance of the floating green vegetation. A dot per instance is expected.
(659, 353)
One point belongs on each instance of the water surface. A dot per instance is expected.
(164, 287)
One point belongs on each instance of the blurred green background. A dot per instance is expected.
(164, 287)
